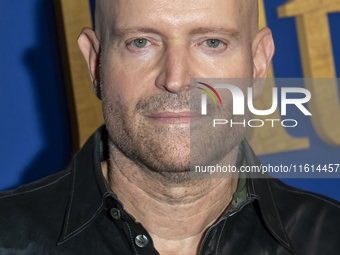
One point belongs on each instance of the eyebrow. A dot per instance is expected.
(219, 30)
(235, 34)
(121, 32)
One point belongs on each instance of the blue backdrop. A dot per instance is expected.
(34, 128)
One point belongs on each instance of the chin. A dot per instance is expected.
(176, 177)
(171, 159)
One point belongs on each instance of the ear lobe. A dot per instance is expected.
(89, 46)
(263, 51)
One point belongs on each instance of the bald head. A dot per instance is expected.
(106, 12)
(250, 12)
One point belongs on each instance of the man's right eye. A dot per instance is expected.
(139, 43)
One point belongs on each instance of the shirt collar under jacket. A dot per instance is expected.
(89, 190)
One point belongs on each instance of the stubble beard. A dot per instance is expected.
(163, 151)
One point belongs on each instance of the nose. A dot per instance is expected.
(175, 71)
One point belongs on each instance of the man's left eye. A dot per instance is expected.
(213, 43)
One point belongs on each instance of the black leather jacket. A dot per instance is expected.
(74, 212)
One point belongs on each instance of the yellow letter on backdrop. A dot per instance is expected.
(317, 60)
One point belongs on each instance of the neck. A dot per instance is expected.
(175, 215)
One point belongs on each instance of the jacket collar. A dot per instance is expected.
(259, 187)
(88, 190)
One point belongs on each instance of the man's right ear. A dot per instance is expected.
(89, 46)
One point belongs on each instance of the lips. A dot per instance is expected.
(174, 117)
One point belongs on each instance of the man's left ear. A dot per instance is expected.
(263, 51)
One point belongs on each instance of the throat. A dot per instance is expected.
(171, 213)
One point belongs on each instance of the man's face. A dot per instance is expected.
(149, 51)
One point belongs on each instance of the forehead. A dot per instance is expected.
(170, 15)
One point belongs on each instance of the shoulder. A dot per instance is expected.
(32, 209)
(36, 190)
(296, 198)
(309, 219)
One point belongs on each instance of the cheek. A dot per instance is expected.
(238, 64)
(129, 83)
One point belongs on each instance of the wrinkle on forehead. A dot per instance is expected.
(106, 11)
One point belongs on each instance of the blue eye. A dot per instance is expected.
(140, 42)
(213, 43)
